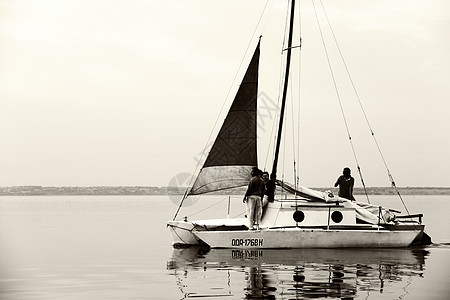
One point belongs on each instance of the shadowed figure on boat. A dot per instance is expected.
(345, 183)
(269, 193)
(253, 198)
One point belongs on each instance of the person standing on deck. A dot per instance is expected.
(253, 198)
(345, 183)
(269, 194)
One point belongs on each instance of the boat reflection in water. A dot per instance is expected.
(295, 273)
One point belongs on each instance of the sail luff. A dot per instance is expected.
(234, 151)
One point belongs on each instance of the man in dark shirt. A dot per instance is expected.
(269, 194)
(345, 183)
(253, 198)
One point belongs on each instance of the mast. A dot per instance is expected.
(285, 88)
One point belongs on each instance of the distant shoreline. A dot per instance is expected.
(148, 190)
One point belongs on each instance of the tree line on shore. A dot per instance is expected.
(149, 190)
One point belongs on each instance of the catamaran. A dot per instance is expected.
(306, 218)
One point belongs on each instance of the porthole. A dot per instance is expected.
(299, 216)
(337, 217)
(299, 278)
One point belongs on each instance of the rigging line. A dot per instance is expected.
(292, 123)
(284, 145)
(294, 150)
(239, 68)
(217, 203)
(285, 90)
(291, 97)
(281, 81)
(220, 112)
(362, 108)
(276, 115)
(348, 74)
(181, 203)
(286, 25)
(240, 214)
(280, 89)
(268, 13)
(263, 30)
(297, 178)
(293, 131)
(274, 123)
(339, 99)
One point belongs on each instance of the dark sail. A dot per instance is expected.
(233, 153)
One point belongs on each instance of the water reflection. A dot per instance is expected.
(295, 274)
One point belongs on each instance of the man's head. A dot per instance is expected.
(255, 171)
(265, 176)
(346, 172)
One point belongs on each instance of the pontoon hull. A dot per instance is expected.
(308, 238)
(182, 233)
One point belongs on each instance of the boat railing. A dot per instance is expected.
(419, 216)
(318, 205)
(330, 227)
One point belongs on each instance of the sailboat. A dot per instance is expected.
(307, 218)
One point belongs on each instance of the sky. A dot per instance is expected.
(105, 93)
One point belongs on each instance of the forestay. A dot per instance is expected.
(234, 151)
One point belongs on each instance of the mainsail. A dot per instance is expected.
(233, 153)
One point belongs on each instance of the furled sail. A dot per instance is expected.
(233, 153)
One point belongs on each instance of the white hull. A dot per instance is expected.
(307, 238)
(182, 233)
(280, 228)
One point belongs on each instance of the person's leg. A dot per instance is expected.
(258, 211)
(250, 211)
(265, 200)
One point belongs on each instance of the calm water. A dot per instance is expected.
(102, 247)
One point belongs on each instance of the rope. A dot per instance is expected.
(217, 203)
(297, 155)
(181, 203)
(220, 112)
(274, 123)
(391, 179)
(240, 214)
(293, 134)
(297, 178)
(271, 145)
(340, 101)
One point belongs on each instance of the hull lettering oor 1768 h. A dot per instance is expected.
(247, 243)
